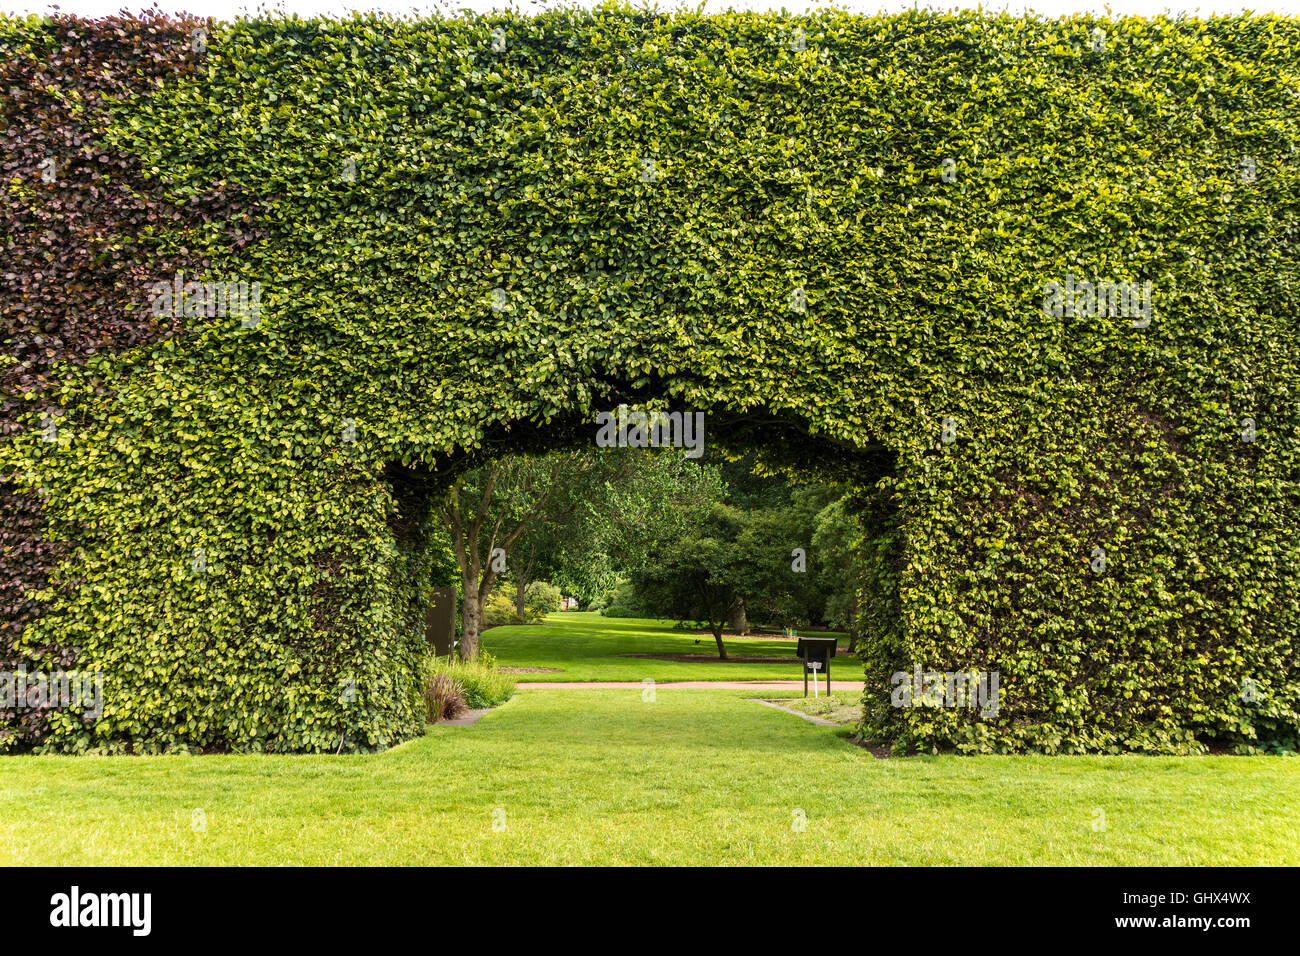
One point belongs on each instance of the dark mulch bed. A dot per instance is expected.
(707, 637)
(761, 634)
(876, 748)
(731, 658)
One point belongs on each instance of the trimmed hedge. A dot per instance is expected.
(474, 234)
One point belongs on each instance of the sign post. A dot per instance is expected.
(816, 654)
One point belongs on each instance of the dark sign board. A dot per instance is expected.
(819, 651)
(440, 621)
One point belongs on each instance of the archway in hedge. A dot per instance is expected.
(1051, 274)
(516, 504)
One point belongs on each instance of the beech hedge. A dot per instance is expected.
(851, 237)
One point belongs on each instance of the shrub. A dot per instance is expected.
(621, 610)
(499, 609)
(1103, 512)
(481, 683)
(624, 602)
(540, 599)
(543, 598)
(444, 697)
(604, 597)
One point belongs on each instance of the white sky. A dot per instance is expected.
(228, 9)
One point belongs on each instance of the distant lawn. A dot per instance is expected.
(695, 777)
(586, 646)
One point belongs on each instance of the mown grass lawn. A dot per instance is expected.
(586, 646)
(602, 776)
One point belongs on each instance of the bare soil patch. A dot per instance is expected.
(875, 748)
(731, 658)
(760, 635)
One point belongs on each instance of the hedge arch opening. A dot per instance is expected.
(1052, 276)
(779, 445)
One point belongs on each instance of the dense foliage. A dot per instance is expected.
(832, 234)
(750, 559)
(544, 596)
(565, 516)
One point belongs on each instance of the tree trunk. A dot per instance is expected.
(471, 624)
(739, 622)
(717, 636)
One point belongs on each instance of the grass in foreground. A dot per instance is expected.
(694, 777)
(586, 647)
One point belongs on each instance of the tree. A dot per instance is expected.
(783, 584)
(755, 557)
(699, 575)
(611, 516)
(486, 511)
(552, 516)
(837, 543)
